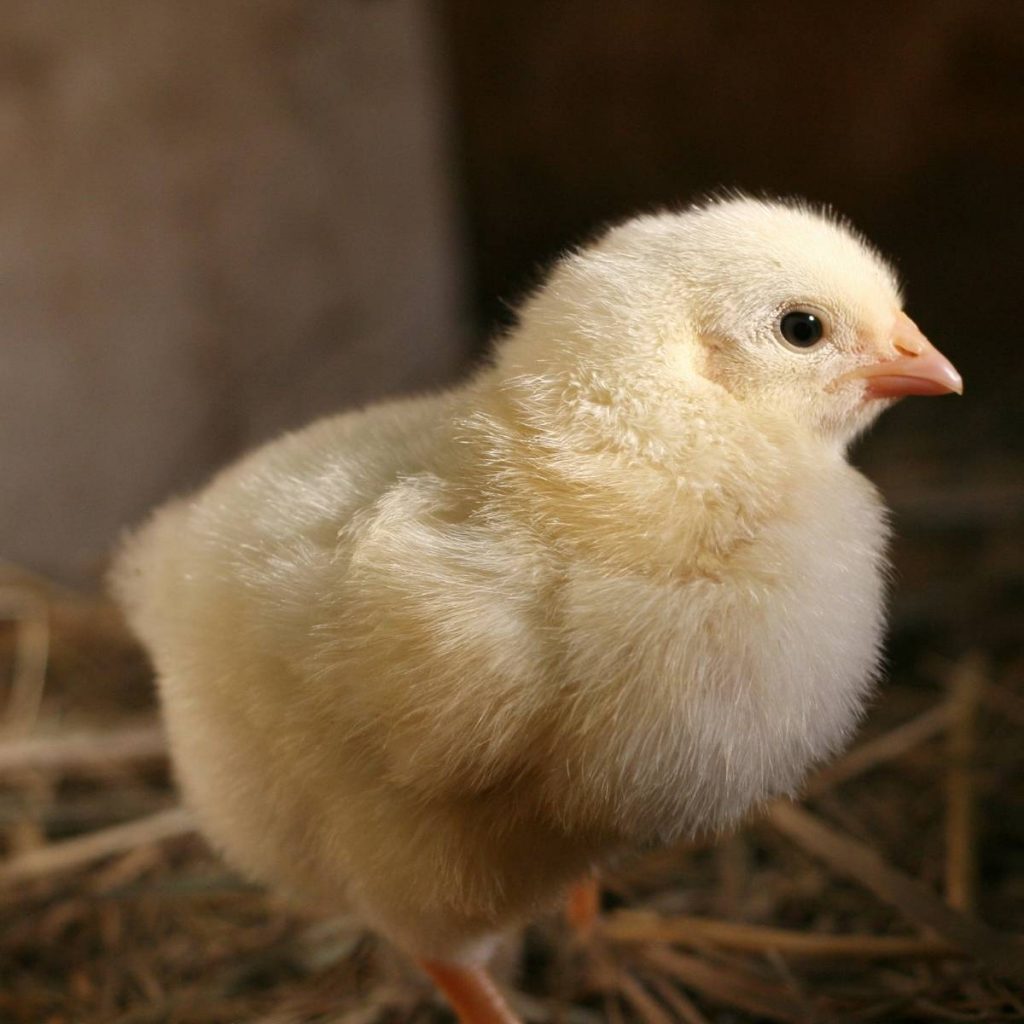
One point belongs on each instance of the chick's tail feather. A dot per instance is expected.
(139, 576)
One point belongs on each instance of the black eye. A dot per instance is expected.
(801, 328)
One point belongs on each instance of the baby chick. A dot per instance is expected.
(436, 659)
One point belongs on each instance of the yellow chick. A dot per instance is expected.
(437, 659)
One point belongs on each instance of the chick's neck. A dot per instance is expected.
(666, 490)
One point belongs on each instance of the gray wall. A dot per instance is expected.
(217, 220)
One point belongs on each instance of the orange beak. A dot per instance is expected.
(920, 369)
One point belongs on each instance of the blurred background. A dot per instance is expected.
(218, 221)
(221, 220)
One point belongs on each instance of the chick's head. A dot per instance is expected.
(770, 307)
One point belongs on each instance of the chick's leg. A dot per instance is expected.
(471, 992)
(583, 905)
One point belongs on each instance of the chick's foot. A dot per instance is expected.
(471, 992)
(583, 906)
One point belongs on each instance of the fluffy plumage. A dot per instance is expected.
(437, 658)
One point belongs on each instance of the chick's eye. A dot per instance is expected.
(801, 328)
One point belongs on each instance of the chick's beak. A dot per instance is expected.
(919, 369)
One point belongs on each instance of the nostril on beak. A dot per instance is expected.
(907, 338)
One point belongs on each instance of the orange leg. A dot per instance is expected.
(584, 905)
(471, 992)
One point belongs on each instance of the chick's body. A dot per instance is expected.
(437, 658)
